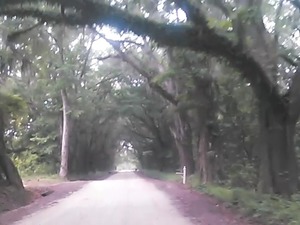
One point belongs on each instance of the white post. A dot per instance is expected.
(184, 175)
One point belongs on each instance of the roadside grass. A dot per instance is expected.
(263, 208)
(162, 175)
(267, 209)
(48, 179)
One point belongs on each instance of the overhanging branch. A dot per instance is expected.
(296, 3)
(142, 71)
(14, 35)
(288, 59)
(110, 56)
(199, 37)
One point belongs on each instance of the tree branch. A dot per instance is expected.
(102, 58)
(294, 97)
(289, 60)
(296, 3)
(198, 38)
(83, 71)
(277, 16)
(142, 71)
(14, 35)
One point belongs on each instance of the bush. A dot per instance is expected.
(244, 176)
(194, 181)
(28, 164)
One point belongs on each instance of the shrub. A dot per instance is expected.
(28, 164)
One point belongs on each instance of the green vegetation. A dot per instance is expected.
(268, 209)
(213, 86)
(264, 208)
(28, 164)
(161, 175)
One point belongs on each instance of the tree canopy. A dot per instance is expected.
(212, 85)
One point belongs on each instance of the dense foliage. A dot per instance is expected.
(210, 85)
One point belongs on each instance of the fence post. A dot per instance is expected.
(184, 175)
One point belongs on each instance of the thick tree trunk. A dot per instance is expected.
(183, 140)
(204, 93)
(6, 165)
(63, 172)
(10, 171)
(278, 166)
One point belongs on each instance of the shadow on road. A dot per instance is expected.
(127, 175)
(92, 176)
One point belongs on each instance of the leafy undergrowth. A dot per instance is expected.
(29, 165)
(266, 209)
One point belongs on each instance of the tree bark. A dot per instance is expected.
(6, 165)
(278, 166)
(205, 167)
(205, 111)
(10, 171)
(63, 172)
(182, 135)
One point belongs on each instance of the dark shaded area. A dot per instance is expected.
(91, 176)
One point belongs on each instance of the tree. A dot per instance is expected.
(146, 128)
(9, 104)
(39, 137)
(243, 40)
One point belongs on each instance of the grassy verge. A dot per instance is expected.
(161, 175)
(267, 209)
(48, 179)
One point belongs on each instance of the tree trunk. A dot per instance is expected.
(205, 117)
(63, 172)
(183, 140)
(10, 171)
(205, 166)
(278, 165)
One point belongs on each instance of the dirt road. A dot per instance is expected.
(123, 199)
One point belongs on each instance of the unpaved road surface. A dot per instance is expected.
(123, 199)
